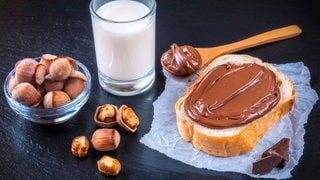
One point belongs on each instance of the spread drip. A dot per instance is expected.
(230, 95)
(182, 60)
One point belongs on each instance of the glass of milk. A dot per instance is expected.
(124, 38)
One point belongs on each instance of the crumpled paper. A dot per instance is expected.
(165, 138)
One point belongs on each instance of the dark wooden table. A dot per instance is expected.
(31, 28)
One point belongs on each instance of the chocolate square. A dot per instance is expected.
(266, 164)
(276, 156)
(280, 149)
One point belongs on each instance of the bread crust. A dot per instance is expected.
(236, 140)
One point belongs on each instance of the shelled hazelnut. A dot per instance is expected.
(55, 78)
(106, 115)
(127, 118)
(108, 165)
(80, 146)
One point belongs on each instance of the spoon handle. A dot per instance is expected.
(208, 54)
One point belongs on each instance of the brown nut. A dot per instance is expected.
(60, 69)
(55, 98)
(40, 74)
(75, 84)
(29, 70)
(49, 84)
(80, 146)
(47, 59)
(106, 115)
(127, 118)
(26, 94)
(12, 83)
(25, 70)
(108, 165)
(73, 63)
(105, 139)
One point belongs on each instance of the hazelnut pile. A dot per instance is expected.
(52, 82)
(106, 138)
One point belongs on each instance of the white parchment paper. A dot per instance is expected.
(165, 138)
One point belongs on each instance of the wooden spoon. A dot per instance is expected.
(210, 53)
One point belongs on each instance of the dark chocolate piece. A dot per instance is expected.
(276, 156)
(266, 164)
(281, 149)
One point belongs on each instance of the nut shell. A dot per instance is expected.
(108, 165)
(127, 118)
(106, 115)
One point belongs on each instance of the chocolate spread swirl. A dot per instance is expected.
(230, 95)
(181, 60)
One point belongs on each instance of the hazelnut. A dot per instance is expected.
(12, 83)
(26, 94)
(127, 118)
(60, 69)
(29, 70)
(73, 63)
(105, 139)
(47, 59)
(80, 146)
(55, 98)
(49, 84)
(106, 115)
(108, 165)
(75, 84)
(40, 74)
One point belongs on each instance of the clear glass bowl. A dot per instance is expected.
(55, 115)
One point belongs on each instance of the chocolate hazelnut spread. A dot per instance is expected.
(182, 60)
(232, 95)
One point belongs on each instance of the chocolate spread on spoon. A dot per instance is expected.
(181, 60)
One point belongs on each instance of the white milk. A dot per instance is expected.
(124, 51)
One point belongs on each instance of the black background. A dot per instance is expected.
(31, 28)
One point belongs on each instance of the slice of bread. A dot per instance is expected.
(234, 140)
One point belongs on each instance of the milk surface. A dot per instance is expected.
(125, 51)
